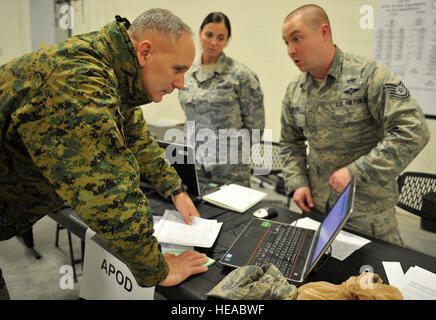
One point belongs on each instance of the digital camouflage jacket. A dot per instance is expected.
(72, 131)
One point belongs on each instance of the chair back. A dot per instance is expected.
(265, 156)
(415, 188)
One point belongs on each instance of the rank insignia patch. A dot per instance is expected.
(398, 91)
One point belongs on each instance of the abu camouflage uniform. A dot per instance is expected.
(361, 117)
(254, 283)
(71, 130)
(225, 95)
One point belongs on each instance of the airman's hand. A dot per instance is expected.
(303, 198)
(340, 179)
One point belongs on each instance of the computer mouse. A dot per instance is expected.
(265, 213)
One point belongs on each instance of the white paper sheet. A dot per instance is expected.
(172, 229)
(344, 244)
(394, 273)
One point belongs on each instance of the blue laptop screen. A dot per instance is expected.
(332, 222)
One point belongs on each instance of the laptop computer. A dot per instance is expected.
(293, 250)
(182, 158)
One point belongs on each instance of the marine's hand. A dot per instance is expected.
(340, 179)
(185, 206)
(183, 266)
(303, 198)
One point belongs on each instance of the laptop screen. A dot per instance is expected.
(332, 222)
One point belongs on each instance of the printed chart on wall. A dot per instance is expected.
(405, 41)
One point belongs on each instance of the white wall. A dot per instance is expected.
(14, 29)
(256, 41)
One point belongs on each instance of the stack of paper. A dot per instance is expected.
(418, 284)
(344, 244)
(172, 229)
(235, 197)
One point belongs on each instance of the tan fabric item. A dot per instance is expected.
(367, 286)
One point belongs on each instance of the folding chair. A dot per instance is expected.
(418, 196)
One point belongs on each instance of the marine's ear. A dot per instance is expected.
(143, 51)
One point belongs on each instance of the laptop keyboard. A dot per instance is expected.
(282, 247)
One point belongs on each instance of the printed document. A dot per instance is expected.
(416, 284)
(419, 284)
(172, 229)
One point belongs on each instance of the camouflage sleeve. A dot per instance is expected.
(405, 129)
(77, 144)
(293, 142)
(251, 102)
(149, 155)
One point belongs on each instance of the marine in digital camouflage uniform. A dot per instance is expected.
(362, 117)
(72, 131)
(225, 95)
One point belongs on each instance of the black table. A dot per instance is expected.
(334, 271)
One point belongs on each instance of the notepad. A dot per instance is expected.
(235, 197)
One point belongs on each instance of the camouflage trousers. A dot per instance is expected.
(234, 173)
(4, 295)
(366, 218)
(382, 225)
